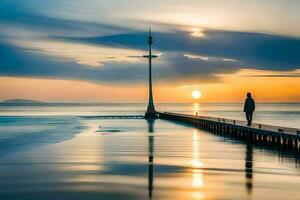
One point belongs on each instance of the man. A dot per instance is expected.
(249, 108)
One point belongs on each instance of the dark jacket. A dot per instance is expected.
(249, 105)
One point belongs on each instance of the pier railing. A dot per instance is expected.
(273, 135)
(280, 129)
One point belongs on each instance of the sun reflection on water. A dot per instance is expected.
(196, 108)
(198, 182)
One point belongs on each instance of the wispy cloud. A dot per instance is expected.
(196, 57)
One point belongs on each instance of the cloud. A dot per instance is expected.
(183, 57)
(179, 67)
(291, 75)
(27, 17)
(174, 66)
(181, 60)
(255, 50)
(16, 62)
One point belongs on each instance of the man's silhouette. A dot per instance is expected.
(249, 108)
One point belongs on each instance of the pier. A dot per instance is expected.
(273, 136)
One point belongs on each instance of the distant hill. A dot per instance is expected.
(29, 102)
(21, 101)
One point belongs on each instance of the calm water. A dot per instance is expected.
(51, 153)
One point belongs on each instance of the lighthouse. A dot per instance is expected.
(151, 113)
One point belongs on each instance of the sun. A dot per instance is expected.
(196, 94)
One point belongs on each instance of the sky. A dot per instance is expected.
(91, 50)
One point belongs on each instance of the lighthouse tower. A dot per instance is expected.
(151, 113)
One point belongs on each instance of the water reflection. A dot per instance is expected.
(198, 182)
(249, 167)
(196, 108)
(150, 155)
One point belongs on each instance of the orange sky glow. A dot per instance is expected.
(231, 88)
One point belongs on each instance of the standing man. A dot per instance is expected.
(249, 108)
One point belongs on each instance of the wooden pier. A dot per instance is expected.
(274, 136)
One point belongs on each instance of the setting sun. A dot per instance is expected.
(196, 94)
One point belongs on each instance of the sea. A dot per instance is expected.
(56, 152)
